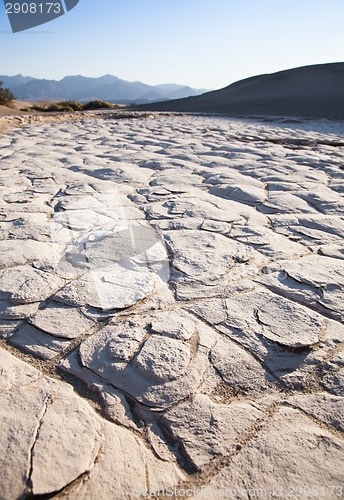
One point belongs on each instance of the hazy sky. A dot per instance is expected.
(201, 43)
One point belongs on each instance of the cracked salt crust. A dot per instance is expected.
(189, 270)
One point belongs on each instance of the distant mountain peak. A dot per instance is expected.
(83, 88)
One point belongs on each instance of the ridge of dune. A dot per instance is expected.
(315, 91)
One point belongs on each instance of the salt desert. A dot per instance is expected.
(171, 308)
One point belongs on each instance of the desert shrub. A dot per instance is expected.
(70, 106)
(37, 108)
(59, 107)
(97, 104)
(6, 96)
(62, 106)
(66, 106)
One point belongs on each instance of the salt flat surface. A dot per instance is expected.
(186, 275)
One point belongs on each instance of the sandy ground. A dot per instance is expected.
(14, 109)
(22, 108)
(19, 115)
(14, 116)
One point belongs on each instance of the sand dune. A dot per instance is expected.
(310, 92)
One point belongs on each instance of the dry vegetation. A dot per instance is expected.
(6, 96)
(70, 106)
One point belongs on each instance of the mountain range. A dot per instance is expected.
(315, 91)
(83, 89)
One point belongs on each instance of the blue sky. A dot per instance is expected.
(201, 43)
